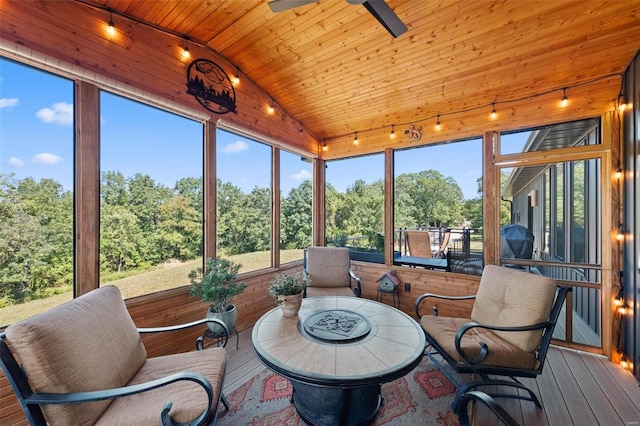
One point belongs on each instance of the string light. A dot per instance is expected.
(622, 101)
(618, 174)
(622, 309)
(620, 234)
(623, 362)
(392, 135)
(324, 145)
(622, 104)
(270, 107)
(185, 52)
(355, 139)
(493, 111)
(619, 300)
(564, 101)
(111, 28)
(235, 80)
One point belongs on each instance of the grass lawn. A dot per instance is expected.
(163, 277)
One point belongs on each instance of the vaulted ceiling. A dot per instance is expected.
(335, 68)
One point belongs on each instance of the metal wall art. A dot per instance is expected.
(211, 86)
(414, 134)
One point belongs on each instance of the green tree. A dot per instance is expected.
(252, 227)
(179, 230)
(145, 197)
(36, 234)
(191, 188)
(295, 228)
(113, 189)
(122, 243)
(433, 199)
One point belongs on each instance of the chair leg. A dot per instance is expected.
(225, 402)
(465, 388)
(463, 413)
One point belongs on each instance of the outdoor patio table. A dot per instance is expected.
(337, 374)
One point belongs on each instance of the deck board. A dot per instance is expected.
(575, 388)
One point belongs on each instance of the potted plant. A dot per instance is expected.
(217, 286)
(288, 290)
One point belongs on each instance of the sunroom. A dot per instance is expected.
(481, 119)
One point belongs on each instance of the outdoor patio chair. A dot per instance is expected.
(330, 271)
(419, 243)
(507, 335)
(84, 362)
(444, 244)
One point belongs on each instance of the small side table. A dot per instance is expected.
(395, 296)
(208, 334)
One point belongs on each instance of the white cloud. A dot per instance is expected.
(237, 146)
(15, 162)
(61, 113)
(8, 102)
(46, 158)
(302, 175)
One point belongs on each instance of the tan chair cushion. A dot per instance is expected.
(89, 343)
(189, 399)
(329, 291)
(511, 298)
(501, 353)
(328, 266)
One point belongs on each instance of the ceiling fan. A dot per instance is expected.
(378, 8)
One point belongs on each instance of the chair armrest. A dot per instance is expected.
(181, 326)
(77, 397)
(467, 397)
(358, 289)
(199, 341)
(420, 298)
(484, 348)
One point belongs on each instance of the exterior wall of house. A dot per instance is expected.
(566, 241)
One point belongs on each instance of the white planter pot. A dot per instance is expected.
(228, 317)
(290, 305)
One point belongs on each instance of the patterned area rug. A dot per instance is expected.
(422, 397)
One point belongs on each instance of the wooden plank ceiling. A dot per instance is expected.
(333, 67)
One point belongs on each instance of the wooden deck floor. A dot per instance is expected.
(576, 388)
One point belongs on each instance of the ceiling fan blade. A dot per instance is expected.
(386, 16)
(282, 5)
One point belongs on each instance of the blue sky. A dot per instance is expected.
(36, 140)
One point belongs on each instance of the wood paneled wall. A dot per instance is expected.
(421, 281)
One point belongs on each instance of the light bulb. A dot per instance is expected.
(564, 101)
(623, 362)
(618, 174)
(438, 127)
(355, 139)
(494, 114)
(392, 135)
(185, 53)
(111, 28)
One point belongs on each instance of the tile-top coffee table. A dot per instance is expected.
(337, 353)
